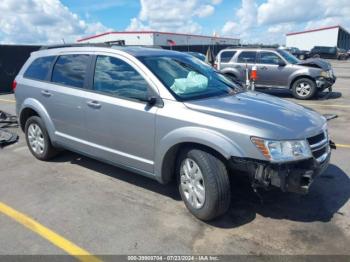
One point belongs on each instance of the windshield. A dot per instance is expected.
(188, 78)
(288, 56)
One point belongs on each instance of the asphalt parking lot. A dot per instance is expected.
(106, 210)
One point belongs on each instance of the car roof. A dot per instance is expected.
(255, 49)
(136, 51)
(145, 51)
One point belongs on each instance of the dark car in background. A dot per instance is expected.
(301, 54)
(343, 54)
(328, 52)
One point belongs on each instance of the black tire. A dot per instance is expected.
(48, 151)
(311, 86)
(215, 180)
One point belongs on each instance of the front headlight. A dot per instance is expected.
(327, 74)
(283, 151)
(324, 74)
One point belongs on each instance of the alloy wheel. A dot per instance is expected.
(36, 138)
(192, 183)
(303, 89)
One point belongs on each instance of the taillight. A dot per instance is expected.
(14, 85)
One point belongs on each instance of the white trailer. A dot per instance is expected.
(154, 38)
(327, 36)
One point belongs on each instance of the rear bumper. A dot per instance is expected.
(294, 177)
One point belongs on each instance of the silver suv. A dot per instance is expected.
(167, 115)
(276, 68)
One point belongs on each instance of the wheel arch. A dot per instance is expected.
(299, 77)
(208, 140)
(231, 72)
(32, 107)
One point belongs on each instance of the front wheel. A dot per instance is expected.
(203, 183)
(304, 88)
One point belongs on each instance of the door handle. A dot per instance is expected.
(46, 93)
(93, 104)
(263, 68)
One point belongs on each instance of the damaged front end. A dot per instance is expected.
(294, 176)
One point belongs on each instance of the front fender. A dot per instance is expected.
(300, 73)
(42, 112)
(198, 135)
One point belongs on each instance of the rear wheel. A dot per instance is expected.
(203, 183)
(38, 139)
(304, 88)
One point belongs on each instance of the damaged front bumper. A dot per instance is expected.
(289, 177)
(324, 83)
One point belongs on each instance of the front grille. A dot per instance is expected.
(316, 139)
(318, 153)
(319, 145)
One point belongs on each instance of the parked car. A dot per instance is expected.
(342, 54)
(300, 54)
(198, 55)
(278, 69)
(167, 115)
(328, 52)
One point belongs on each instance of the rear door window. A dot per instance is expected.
(71, 70)
(39, 68)
(247, 57)
(227, 56)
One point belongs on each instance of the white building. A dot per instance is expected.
(326, 36)
(153, 38)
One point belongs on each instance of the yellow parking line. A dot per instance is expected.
(48, 234)
(311, 104)
(8, 100)
(342, 145)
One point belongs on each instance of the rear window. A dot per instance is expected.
(70, 70)
(227, 56)
(39, 68)
(247, 57)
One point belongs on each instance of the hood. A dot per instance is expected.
(263, 114)
(316, 62)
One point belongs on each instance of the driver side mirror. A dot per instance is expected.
(151, 101)
(281, 63)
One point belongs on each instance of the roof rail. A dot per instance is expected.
(106, 44)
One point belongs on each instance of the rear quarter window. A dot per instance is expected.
(39, 68)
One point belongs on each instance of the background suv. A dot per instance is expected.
(167, 115)
(278, 69)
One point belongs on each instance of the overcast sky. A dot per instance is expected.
(254, 21)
